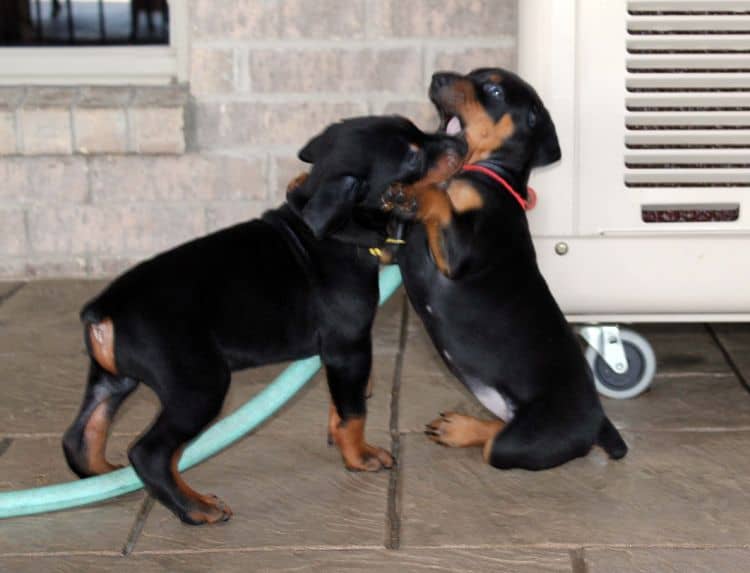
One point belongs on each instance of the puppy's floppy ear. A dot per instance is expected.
(319, 146)
(331, 203)
(547, 147)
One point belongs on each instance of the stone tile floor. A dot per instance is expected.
(678, 502)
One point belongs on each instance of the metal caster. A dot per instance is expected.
(621, 360)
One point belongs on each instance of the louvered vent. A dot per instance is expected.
(688, 94)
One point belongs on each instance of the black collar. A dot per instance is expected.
(518, 182)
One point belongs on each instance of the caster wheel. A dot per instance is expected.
(636, 379)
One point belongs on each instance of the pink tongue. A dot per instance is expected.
(454, 126)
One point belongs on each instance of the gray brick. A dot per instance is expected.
(463, 60)
(42, 267)
(13, 235)
(221, 215)
(286, 169)
(105, 96)
(54, 97)
(100, 130)
(11, 97)
(126, 179)
(112, 229)
(235, 19)
(7, 132)
(329, 19)
(249, 123)
(161, 96)
(442, 18)
(109, 266)
(46, 131)
(158, 130)
(211, 70)
(43, 180)
(336, 70)
(423, 113)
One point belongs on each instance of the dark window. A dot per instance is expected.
(83, 22)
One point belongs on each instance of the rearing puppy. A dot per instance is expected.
(292, 284)
(470, 272)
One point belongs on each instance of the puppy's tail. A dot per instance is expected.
(611, 440)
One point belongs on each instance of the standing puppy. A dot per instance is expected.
(470, 271)
(282, 287)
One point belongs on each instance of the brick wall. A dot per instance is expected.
(92, 181)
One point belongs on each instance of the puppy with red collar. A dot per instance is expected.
(470, 272)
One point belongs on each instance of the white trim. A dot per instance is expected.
(117, 65)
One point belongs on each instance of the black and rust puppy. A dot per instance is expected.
(282, 287)
(470, 271)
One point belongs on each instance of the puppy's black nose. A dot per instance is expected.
(440, 80)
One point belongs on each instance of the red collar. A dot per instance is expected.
(526, 204)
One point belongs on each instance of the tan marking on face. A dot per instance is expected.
(102, 341)
(464, 196)
(483, 135)
(495, 78)
(95, 435)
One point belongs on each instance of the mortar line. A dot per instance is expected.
(393, 523)
(5, 444)
(728, 357)
(347, 548)
(11, 293)
(140, 521)
(578, 560)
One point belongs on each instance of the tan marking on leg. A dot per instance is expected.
(464, 196)
(102, 342)
(95, 434)
(209, 508)
(460, 431)
(349, 437)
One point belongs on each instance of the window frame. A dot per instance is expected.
(102, 65)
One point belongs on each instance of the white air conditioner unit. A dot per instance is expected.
(646, 217)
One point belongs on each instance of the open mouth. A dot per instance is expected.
(451, 124)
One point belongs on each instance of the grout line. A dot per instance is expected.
(578, 561)
(728, 357)
(44, 435)
(5, 444)
(11, 293)
(349, 548)
(393, 523)
(138, 524)
(646, 430)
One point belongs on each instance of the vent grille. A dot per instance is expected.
(688, 94)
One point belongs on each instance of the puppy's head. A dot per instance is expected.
(498, 114)
(356, 160)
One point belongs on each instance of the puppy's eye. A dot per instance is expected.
(413, 156)
(494, 91)
(532, 117)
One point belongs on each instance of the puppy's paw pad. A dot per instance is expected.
(370, 459)
(452, 430)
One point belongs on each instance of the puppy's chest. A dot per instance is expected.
(452, 350)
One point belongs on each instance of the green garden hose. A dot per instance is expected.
(219, 436)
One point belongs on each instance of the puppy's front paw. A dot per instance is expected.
(399, 202)
(460, 431)
(368, 458)
(358, 455)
